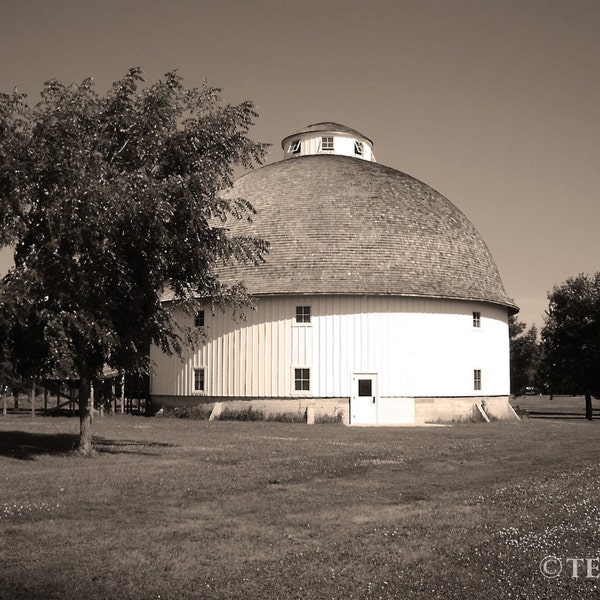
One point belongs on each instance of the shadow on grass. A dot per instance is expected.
(24, 445)
(107, 446)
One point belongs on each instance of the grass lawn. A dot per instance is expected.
(176, 509)
(571, 406)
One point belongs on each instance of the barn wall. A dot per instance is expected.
(418, 347)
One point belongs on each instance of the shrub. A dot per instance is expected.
(287, 417)
(246, 414)
(336, 417)
(197, 413)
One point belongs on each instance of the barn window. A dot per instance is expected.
(199, 379)
(327, 143)
(358, 148)
(302, 314)
(302, 380)
(477, 379)
(199, 319)
(365, 387)
(476, 319)
(295, 147)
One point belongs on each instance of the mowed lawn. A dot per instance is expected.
(176, 509)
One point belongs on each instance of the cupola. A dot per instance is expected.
(328, 138)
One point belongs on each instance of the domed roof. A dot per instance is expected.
(337, 225)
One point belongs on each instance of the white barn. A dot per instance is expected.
(378, 299)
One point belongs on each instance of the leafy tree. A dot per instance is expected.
(571, 338)
(524, 355)
(110, 201)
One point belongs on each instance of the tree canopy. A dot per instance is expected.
(109, 201)
(571, 338)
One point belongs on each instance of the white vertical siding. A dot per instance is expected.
(418, 348)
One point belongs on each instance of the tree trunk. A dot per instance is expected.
(123, 394)
(86, 413)
(588, 406)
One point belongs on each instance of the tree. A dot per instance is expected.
(109, 202)
(571, 338)
(524, 355)
(9, 380)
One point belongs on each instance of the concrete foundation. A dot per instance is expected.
(421, 411)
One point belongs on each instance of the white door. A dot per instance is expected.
(363, 403)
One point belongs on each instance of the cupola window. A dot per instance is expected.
(295, 146)
(358, 148)
(327, 144)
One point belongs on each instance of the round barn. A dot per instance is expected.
(378, 301)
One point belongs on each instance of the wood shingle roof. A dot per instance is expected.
(337, 225)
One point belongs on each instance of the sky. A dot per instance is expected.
(494, 103)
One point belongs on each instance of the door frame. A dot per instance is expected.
(354, 377)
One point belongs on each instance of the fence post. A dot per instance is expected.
(32, 398)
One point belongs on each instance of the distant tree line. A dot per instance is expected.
(566, 357)
(524, 357)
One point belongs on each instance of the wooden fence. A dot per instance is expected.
(109, 396)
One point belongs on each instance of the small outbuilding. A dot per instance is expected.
(379, 300)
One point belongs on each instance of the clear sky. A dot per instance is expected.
(494, 103)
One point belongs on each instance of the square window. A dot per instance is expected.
(295, 147)
(199, 319)
(327, 143)
(302, 314)
(302, 380)
(477, 379)
(476, 319)
(199, 380)
(365, 387)
(358, 148)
